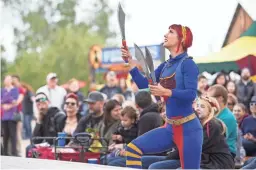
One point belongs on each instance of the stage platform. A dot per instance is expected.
(8, 162)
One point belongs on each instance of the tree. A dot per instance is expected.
(54, 42)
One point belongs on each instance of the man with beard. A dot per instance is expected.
(94, 117)
(46, 121)
(245, 88)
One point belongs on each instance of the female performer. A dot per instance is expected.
(177, 84)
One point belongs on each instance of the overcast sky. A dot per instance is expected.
(149, 20)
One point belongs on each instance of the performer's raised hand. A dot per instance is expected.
(126, 55)
(158, 90)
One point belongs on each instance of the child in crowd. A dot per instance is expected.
(125, 133)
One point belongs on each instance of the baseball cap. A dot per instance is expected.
(94, 96)
(51, 76)
(41, 97)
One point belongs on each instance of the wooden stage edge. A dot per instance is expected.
(8, 162)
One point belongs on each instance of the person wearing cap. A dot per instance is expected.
(55, 93)
(94, 117)
(248, 128)
(46, 120)
(111, 88)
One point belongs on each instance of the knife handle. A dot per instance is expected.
(126, 48)
(150, 81)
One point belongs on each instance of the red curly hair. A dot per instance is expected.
(73, 96)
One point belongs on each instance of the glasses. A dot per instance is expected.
(231, 104)
(41, 100)
(70, 103)
(253, 104)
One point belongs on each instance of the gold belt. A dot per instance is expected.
(181, 120)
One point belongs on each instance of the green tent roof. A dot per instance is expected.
(251, 31)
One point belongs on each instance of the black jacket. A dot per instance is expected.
(245, 92)
(149, 119)
(215, 151)
(127, 134)
(48, 126)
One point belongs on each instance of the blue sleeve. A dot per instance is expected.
(190, 74)
(140, 80)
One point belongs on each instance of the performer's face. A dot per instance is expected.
(202, 109)
(171, 39)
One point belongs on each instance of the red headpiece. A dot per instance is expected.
(185, 36)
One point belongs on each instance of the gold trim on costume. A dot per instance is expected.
(167, 77)
(135, 148)
(133, 155)
(133, 163)
(181, 120)
(184, 33)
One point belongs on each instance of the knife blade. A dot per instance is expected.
(140, 57)
(150, 64)
(121, 21)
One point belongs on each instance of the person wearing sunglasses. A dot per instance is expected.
(248, 129)
(46, 120)
(69, 122)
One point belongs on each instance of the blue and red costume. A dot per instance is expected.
(180, 75)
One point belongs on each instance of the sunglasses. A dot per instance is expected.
(253, 104)
(70, 103)
(41, 100)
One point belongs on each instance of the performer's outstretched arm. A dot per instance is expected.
(142, 81)
(190, 74)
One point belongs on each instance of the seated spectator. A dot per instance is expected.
(119, 97)
(231, 87)
(94, 117)
(246, 88)
(221, 79)
(46, 121)
(215, 151)
(111, 120)
(69, 122)
(248, 128)
(240, 113)
(232, 101)
(149, 118)
(221, 94)
(126, 132)
(202, 85)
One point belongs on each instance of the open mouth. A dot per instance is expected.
(165, 40)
